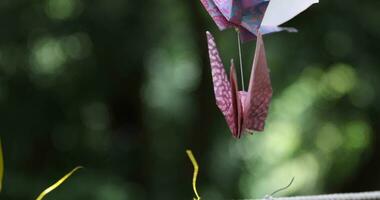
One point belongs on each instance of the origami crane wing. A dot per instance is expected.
(245, 15)
(280, 11)
(253, 13)
(225, 93)
(216, 15)
(256, 104)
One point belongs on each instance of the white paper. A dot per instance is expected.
(281, 11)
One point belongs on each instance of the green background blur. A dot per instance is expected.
(123, 87)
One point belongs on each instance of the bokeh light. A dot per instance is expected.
(124, 88)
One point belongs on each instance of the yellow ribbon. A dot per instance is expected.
(1, 167)
(195, 174)
(57, 184)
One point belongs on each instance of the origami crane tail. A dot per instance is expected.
(259, 91)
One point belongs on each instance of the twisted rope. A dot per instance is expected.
(344, 196)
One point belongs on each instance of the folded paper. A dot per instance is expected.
(244, 111)
(253, 16)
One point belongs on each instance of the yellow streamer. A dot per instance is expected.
(1, 167)
(195, 174)
(57, 184)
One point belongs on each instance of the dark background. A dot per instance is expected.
(123, 88)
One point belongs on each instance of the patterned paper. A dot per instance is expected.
(243, 111)
(251, 17)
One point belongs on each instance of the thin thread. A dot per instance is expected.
(240, 59)
(195, 174)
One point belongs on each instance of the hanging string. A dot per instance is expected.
(195, 174)
(240, 59)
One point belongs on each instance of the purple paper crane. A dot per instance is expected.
(243, 111)
(253, 16)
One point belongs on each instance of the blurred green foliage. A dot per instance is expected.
(124, 87)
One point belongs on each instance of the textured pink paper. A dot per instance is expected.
(222, 87)
(253, 16)
(243, 111)
(259, 91)
(245, 15)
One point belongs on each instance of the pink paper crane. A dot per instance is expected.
(243, 111)
(253, 16)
